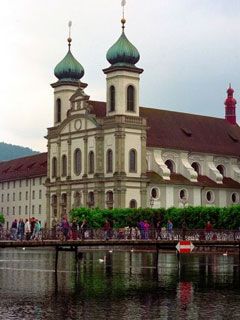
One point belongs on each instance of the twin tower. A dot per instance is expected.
(122, 80)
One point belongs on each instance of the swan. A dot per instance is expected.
(225, 253)
(102, 260)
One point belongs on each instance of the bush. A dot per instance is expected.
(2, 219)
(195, 217)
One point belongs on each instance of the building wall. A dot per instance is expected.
(23, 199)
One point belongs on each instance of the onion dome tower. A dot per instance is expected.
(69, 69)
(68, 72)
(123, 76)
(230, 106)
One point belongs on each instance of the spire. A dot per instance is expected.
(69, 69)
(230, 106)
(123, 53)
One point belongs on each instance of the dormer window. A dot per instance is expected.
(112, 98)
(171, 165)
(58, 110)
(130, 99)
(221, 169)
(196, 167)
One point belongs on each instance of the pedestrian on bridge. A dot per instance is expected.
(170, 230)
(21, 229)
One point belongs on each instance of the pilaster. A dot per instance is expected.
(85, 139)
(69, 159)
(99, 143)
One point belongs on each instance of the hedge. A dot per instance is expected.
(195, 217)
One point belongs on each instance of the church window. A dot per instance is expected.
(54, 167)
(171, 166)
(109, 161)
(221, 169)
(133, 204)
(78, 161)
(91, 199)
(91, 162)
(155, 193)
(130, 98)
(109, 199)
(64, 165)
(112, 98)
(235, 197)
(183, 194)
(196, 167)
(210, 196)
(58, 113)
(132, 160)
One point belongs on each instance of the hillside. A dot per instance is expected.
(9, 151)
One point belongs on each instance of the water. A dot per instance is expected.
(121, 285)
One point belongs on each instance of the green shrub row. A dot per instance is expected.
(195, 217)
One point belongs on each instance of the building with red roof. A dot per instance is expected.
(117, 154)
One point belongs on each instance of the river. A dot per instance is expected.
(118, 285)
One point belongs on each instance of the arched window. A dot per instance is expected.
(54, 167)
(130, 99)
(132, 160)
(109, 199)
(77, 161)
(109, 159)
(196, 167)
(91, 162)
(112, 98)
(64, 165)
(77, 197)
(58, 110)
(133, 204)
(171, 165)
(221, 169)
(91, 199)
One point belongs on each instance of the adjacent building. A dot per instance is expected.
(118, 154)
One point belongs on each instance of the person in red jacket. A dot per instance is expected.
(208, 229)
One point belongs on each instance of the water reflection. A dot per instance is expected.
(118, 285)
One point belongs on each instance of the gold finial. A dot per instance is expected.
(69, 33)
(123, 20)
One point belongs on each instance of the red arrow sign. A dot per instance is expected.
(184, 246)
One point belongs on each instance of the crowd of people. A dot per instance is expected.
(64, 230)
(28, 229)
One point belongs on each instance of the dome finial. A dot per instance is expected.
(69, 34)
(123, 20)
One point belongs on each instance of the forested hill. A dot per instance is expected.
(9, 151)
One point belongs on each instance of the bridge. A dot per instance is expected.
(223, 239)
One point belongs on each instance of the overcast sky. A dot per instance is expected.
(190, 51)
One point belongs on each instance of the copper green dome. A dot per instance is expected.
(123, 52)
(69, 69)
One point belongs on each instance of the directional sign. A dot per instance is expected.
(184, 246)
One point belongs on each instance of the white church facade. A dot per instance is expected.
(117, 154)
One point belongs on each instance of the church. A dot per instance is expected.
(116, 154)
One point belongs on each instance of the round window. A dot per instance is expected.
(235, 197)
(183, 194)
(210, 196)
(155, 193)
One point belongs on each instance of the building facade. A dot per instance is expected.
(117, 154)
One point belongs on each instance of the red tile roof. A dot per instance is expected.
(22, 168)
(184, 131)
(203, 181)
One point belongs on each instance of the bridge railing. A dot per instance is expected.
(124, 234)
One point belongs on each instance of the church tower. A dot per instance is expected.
(123, 77)
(124, 128)
(69, 72)
(230, 106)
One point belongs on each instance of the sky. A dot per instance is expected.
(190, 52)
